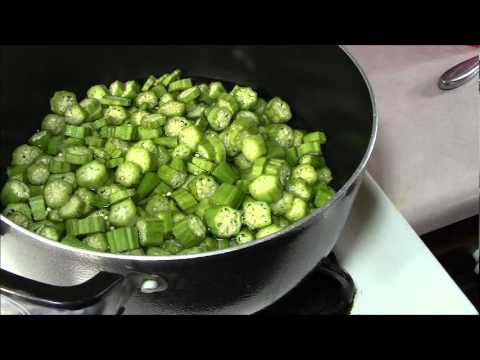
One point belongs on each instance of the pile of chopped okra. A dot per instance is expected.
(165, 167)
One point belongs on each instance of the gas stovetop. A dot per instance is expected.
(327, 290)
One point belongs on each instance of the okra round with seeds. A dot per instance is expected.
(57, 193)
(203, 186)
(245, 96)
(22, 208)
(165, 98)
(219, 117)
(37, 174)
(324, 175)
(305, 172)
(223, 221)
(98, 91)
(75, 115)
(283, 205)
(156, 204)
(128, 174)
(256, 215)
(300, 188)
(146, 100)
(229, 102)
(92, 175)
(278, 111)
(88, 197)
(61, 101)
(172, 108)
(115, 115)
(244, 236)
(175, 124)
(25, 155)
(19, 219)
(123, 213)
(298, 210)
(40, 139)
(280, 133)
(182, 151)
(53, 123)
(97, 241)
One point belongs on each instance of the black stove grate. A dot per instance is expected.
(327, 290)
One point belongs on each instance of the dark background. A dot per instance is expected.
(453, 246)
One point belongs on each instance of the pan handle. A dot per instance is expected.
(105, 293)
(459, 74)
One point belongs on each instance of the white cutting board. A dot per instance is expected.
(427, 154)
(393, 270)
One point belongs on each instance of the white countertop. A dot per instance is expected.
(427, 153)
(393, 270)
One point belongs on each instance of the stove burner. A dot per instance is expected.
(327, 290)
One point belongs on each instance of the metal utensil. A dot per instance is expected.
(459, 74)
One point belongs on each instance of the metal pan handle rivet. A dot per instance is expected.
(153, 285)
